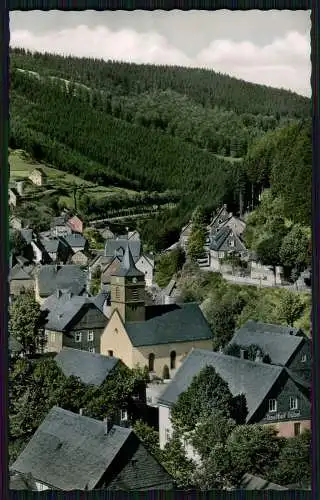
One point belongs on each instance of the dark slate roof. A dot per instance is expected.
(19, 272)
(127, 266)
(100, 299)
(254, 380)
(67, 277)
(89, 367)
(279, 346)
(218, 240)
(27, 235)
(112, 246)
(69, 451)
(169, 323)
(250, 482)
(51, 245)
(14, 345)
(259, 326)
(64, 309)
(75, 240)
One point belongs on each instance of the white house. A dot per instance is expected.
(146, 265)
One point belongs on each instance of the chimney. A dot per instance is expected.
(243, 354)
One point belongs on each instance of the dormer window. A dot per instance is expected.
(303, 358)
(272, 405)
(293, 403)
(134, 280)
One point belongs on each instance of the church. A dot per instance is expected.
(156, 336)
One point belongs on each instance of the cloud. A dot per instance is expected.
(283, 63)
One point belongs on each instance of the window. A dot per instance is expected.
(117, 293)
(272, 405)
(53, 337)
(167, 435)
(151, 362)
(297, 428)
(173, 360)
(293, 403)
(92, 349)
(303, 358)
(149, 399)
(77, 337)
(110, 353)
(135, 294)
(116, 330)
(90, 336)
(123, 415)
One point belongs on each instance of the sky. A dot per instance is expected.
(266, 47)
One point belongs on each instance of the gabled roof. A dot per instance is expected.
(75, 240)
(254, 380)
(111, 268)
(167, 324)
(218, 215)
(100, 299)
(280, 346)
(52, 245)
(251, 482)
(69, 451)
(127, 266)
(259, 326)
(67, 277)
(218, 240)
(64, 309)
(19, 272)
(112, 247)
(90, 368)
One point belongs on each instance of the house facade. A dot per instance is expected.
(73, 322)
(272, 395)
(153, 336)
(38, 177)
(14, 197)
(80, 258)
(60, 227)
(146, 265)
(76, 224)
(21, 278)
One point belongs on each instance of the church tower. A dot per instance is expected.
(128, 290)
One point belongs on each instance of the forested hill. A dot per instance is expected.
(205, 87)
(153, 128)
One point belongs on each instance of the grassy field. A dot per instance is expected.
(21, 165)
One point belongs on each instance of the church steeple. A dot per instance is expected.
(128, 290)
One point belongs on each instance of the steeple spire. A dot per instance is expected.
(127, 266)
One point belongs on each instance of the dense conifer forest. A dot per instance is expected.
(205, 137)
